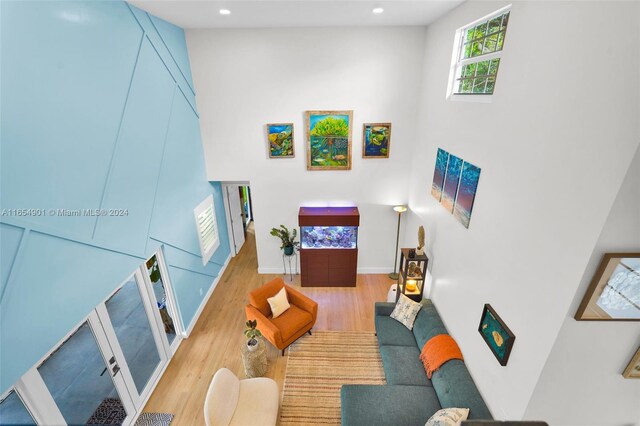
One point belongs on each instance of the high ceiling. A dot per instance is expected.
(295, 13)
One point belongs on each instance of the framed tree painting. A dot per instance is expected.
(280, 138)
(328, 140)
(496, 334)
(614, 292)
(376, 138)
(633, 369)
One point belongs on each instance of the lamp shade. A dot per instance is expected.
(400, 209)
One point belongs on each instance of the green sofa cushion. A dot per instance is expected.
(455, 388)
(384, 308)
(392, 405)
(427, 324)
(391, 332)
(402, 366)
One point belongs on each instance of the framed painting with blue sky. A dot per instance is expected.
(280, 137)
(328, 140)
(376, 138)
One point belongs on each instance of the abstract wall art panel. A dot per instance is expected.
(280, 138)
(438, 173)
(376, 138)
(328, 140)
(451, 180)
(496, 334)
(466, 193)
(614, 292)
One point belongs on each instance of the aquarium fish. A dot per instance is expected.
(339, 157)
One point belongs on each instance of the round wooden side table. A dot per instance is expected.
(255, 363)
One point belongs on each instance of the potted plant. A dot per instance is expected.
(420, 248)
(252, 333)
(287, 238)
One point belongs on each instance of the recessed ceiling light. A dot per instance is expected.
(378, 10)
(225, 12)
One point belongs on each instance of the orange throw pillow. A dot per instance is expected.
(438, 350)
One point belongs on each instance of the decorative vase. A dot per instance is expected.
(412, 253)
(251, 347)
(288, 250)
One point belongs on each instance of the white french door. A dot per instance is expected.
(105, 369)
(80, 382)
(129, 321)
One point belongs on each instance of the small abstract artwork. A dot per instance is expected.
(438, 173)
(376, 138)
(614, 292)
(280, 137)
(328, 140)
(496, 334)
(451, 180)
(633, 369)
(466, 193)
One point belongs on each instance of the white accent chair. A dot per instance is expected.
(248, 402)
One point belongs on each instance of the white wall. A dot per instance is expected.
(582, 382)
(554, 146)
(247, 78)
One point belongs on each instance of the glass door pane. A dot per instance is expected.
(14, 412)
(133, 330)
(153, 269)
(81, 383)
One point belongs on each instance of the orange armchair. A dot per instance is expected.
(290, 325)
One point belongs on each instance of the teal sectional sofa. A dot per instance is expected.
(409, 398)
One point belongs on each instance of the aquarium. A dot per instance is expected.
(329, 237)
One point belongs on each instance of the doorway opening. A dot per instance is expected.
(239, 211)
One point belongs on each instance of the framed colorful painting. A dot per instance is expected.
(328, 140)
(496, 334)
(376, 138)
(614, 292)
(633, 369)
(280, 138)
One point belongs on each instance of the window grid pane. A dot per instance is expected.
(486, 37)
(478, 77)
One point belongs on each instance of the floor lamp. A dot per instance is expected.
(394, 274)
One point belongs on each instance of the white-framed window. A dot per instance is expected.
(476, 55)
(207, 228)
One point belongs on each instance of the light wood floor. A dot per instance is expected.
(216, 339)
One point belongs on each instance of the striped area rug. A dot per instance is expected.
(318, 366)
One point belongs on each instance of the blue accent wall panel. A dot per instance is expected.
(10, 237)
(174, 39)
(185, 260)
(66, 69)
(179, 192)
(187, 286)
(136, 163)
(93, 116)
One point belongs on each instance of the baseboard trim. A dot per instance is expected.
(378, 270)
(271, 271)
(204, 302)
(383, 270)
